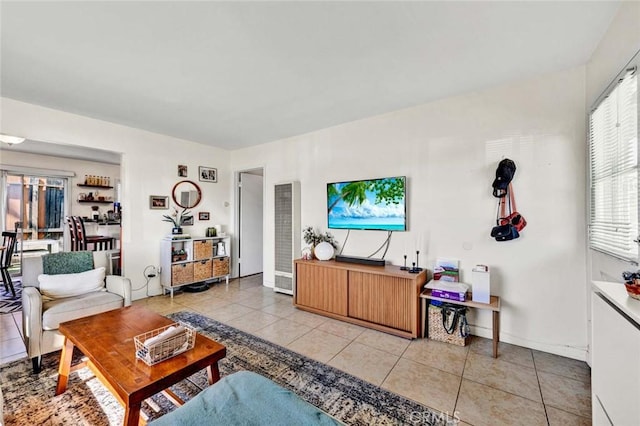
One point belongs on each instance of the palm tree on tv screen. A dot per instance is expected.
(389, 191)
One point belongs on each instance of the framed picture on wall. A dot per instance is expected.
(208, 174)
(188, 222)
(182, 170)
(203, 216)
(159, 202)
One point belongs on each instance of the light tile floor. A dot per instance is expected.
(522, 386)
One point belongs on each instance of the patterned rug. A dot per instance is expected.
(8, 303)
(29, 398)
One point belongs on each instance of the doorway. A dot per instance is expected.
(250, 221)
(41, 183)
(35, 207)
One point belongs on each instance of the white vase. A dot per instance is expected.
(324, 251)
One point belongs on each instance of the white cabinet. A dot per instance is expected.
(192, 260)
(615, 374)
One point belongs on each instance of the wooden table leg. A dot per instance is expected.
(496, 332)
(423, 316)
(65, 366)
(213, 373)
(131, 415)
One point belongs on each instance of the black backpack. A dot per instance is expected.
(504, 174)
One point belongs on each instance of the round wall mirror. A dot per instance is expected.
(186, 194)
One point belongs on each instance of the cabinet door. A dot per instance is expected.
(321, 288)
(615, 375)
(381, 299)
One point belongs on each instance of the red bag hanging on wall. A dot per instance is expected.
(514, 218)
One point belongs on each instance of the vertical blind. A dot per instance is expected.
(613, 154)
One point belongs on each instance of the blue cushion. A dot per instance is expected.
(68, 262)
(245, 398)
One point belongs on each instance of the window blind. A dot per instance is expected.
(613, 154)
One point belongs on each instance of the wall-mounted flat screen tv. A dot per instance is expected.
(367, 204)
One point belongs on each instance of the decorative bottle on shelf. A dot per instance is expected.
(86, 179)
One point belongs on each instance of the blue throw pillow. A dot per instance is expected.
(68, 262)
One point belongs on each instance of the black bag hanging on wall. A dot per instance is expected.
(504, 229)
(504, 174)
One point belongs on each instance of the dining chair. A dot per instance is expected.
(81, 241)
(6, 253)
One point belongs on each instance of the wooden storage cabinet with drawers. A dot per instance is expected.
(192, 260)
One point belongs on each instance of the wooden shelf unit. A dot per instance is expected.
(384, 298)
(493, 305)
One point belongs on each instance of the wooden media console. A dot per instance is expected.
(384, 298)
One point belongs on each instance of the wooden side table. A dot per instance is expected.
(493, 305)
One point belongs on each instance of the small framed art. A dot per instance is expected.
(203, 215)
(208, 174)
(158, 202)
(182, 170)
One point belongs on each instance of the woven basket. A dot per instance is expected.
(165, 349)
(182, 273)
(437, 331)
(202, 249)
(220, 266)
(202, 270)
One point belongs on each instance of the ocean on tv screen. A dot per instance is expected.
(382, 223)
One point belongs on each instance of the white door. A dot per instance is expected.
(250, 247)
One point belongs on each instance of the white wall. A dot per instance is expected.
(449, 151)
(149, 167)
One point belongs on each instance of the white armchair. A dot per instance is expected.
(41, 317)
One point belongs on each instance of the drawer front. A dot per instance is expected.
(182, 273)
(202, 249)
(202, 270)
(220, 266)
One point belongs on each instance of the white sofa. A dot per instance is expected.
(41, 317)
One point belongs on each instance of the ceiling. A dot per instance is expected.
(236, 74)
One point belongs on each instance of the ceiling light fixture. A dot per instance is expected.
(11, 140)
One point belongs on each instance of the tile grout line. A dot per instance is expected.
(394, 365)
(544, 404)
(455, 405)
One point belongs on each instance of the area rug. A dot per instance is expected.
(9, 303)
(29, 398)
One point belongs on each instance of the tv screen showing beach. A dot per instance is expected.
(367, 204)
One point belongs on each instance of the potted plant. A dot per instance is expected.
(177, 219)
(313, 238)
